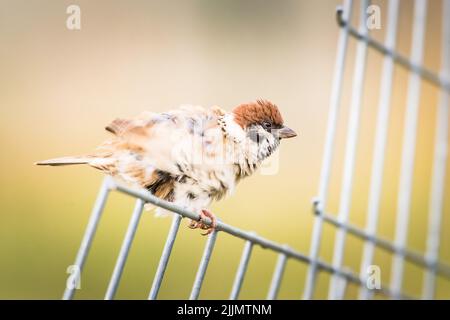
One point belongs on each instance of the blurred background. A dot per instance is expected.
(60, 87)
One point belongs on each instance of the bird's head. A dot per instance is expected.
(263, 125)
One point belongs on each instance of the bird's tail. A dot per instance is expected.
(64, 161)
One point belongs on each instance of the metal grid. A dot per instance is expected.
(340, 275)
(417, 73)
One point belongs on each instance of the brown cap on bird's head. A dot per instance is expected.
(260, 112)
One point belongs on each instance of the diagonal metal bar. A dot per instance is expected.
(203, 266)
(164, 260)
(277, 276)
(89, 234)
(255, 239)
(380, 144)
(408, 254)
(411, 65)
(350, 149)
(439, 162)
(243, 265)
(334, 103)
(124, 250)
(409, 144)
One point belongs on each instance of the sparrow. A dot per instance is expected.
(189, 156)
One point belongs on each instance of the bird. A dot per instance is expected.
(190, 156)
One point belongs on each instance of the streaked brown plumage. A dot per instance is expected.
(191, 155)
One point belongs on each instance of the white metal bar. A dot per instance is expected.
(164, 260)
(380, 143)
(439, 162)
(243, 264)
(89, 234)
(350, 152)
(341, 287)
(203, 266)
(409, 143)
(277, 276)
(335, 98)
(124, 250)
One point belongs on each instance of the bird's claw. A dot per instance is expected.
(200, 222)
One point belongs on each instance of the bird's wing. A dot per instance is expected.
(167, 141)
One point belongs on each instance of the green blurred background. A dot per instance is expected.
(58, 89)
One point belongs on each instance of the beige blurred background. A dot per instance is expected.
(58, 89)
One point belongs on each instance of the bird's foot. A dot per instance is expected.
(202, 225)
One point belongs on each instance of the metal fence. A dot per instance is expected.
(340, 275)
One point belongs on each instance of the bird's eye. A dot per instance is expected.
(267, 125)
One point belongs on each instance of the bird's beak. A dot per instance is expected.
(286, 132)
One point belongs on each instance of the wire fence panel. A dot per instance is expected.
(341, 275)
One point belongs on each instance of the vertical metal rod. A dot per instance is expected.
(335, 98)
(350, 151)
(243, 264)
(89, 234)
(380, 143)
(203, 266)
(341, 289)
(124, 250)
(439, 161)
(164, 260)
(409, 143)
(277, 276)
